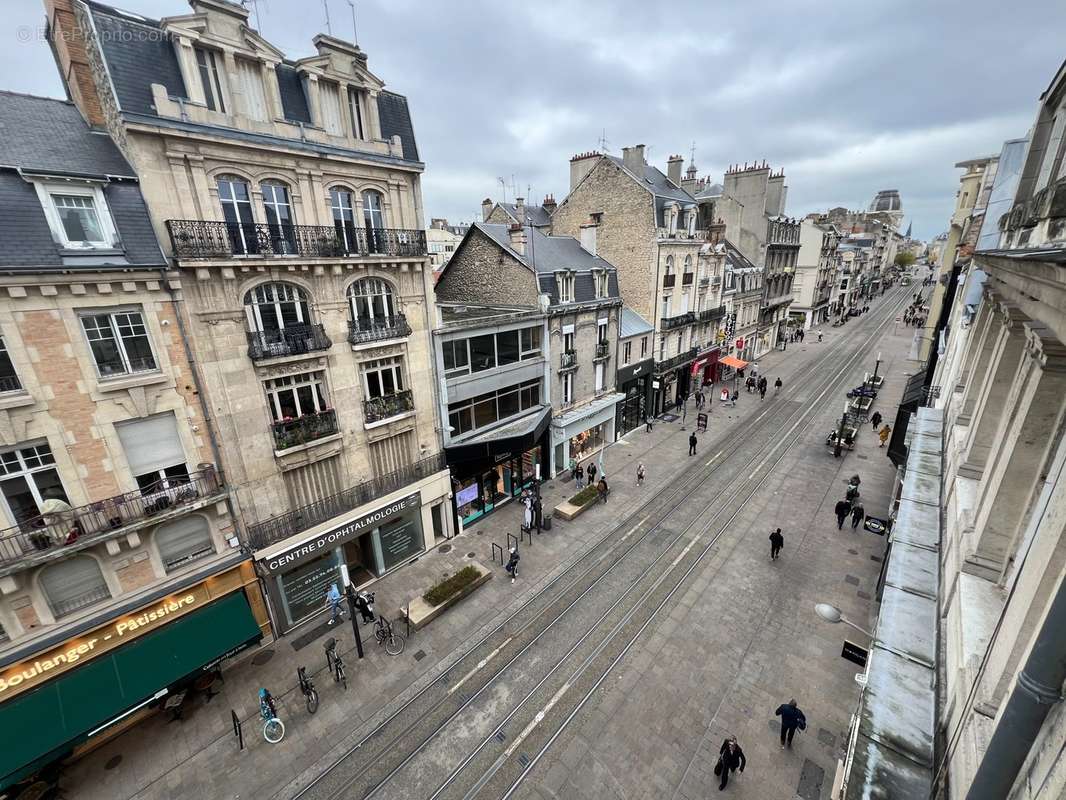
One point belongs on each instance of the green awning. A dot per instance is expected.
(51, 719)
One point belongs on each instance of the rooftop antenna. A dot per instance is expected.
(355, 33)
(255, 8)
(603, 141)
(503, 188)
(325, 7)
(693, 161)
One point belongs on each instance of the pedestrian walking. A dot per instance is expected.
(333, 603)
(640, 474)
(730, 759)
(749, 384)
(512, 563)
(884, 434)
(777, 541)
(791, 718)
(603, 488)
(777, 386)
(680, 402)
(591, 470)
(819, 336)
(692, 443)
(364, 604)
(579, 476)
(733, 399)
(762, 390)
(858, 514)
(843, 508)
(647, 424)
(875, 419)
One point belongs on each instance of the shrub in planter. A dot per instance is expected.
(585, 496)
(451, 585)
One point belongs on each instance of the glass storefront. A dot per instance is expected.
(632, 409)
(303, 591)
(588, 442)
(479, 494)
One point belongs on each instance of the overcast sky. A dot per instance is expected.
(848, 98)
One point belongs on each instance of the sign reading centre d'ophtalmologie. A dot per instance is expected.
(349, 530)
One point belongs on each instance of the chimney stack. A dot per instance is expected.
(580, 166)
(486, 209)
(588, 236)
(549, 204)
(633, 159)
(673, 169)
(520, 209)
(517, 234)
(69, 45)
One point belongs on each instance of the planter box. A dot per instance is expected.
(422, 613)
(568, 511)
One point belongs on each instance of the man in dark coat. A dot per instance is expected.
(858, 513)
(843, 508)
(777, 541)
(875, 419)
(730, 758)
(692, 444)
(791, 718)
(590, 470)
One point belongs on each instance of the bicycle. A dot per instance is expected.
(385, 635)
(309, 690)
(335, 664)
(273, 728)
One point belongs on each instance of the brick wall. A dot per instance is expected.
(137, 573)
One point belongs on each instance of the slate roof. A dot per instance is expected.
(659, 185)
(138, 53)
(710, 191)
(630, 323)
(39, 135)
(737, 261)
(537, 215)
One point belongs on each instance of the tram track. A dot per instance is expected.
(529, 638)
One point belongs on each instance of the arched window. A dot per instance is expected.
(279, 216)
(373, 305)
(73, 584)
(236, 200)
(342, 203)
(688, 263)
(374, 220)
(276, 307)
(183, 540)
(669, 265)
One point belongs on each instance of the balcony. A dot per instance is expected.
(567, 360)
(192, 239)
(295, 341)
(705, 282)
(669, 281)
(711, 314)
(301, 519)
(392, 405)
(362, 331)
(303, 430)
(682, 235)
(676, 361)
(603, 350)
(38, 538)
(678, 320)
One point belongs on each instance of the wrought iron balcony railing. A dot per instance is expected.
(678, 320)
(295, 341)
(687, 278)
(676, 361)
(603, 350)
(301, 519)
(669, 281)
(711, 314)
(193, 238)
(568, 359)
(303, 430)
(361, 331)
(378, 408)
(40, 534)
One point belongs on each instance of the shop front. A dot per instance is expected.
(705, 368)
(673, 382)
(368, 544)
(634, 385)
(582, 433)
(495, 467)
(109, 675)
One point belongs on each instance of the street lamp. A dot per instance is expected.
(840, 433)
(877, 366)
(832, 614)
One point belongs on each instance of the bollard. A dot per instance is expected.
(237, 730)
(528, 533)
(408, 620)
(496, 547)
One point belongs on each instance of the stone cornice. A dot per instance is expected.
(1044, 348)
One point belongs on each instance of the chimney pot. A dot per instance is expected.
(516, 233)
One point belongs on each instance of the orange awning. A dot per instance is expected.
(730, 361)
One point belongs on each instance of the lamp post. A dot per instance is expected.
(832, 614)
(840, 433)
(877, 366)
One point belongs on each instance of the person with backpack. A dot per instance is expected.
(603, 489)
(777, 541)
(512, 564)
(858, 514)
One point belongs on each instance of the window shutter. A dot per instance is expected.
(73, 584)
(251, 80)
(151, 443)
(330, 101)
(183, 540)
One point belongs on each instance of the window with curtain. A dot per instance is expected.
(28, 477)
(342, 204)
(154, 452)
(80, 220)
(72, 585)
(250, 76)
(383, 377)
(183, 541)
(329, 99)
(236, 200)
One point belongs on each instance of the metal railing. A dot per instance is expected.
(10, 383)
(301, 519)
(669, 281)
(687, 278)
(676, 361)
(295, 341)
(681, 233)
(194, 238)
(603, 350)
(302, 430)
(361, 331)
(378, 408)
(568, 359)
(45, 532)
(678, 320)
(711, 314)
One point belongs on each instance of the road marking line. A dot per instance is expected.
(713, 458)
(480, 664)
(537, 720)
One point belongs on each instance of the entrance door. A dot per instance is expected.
(359, 556)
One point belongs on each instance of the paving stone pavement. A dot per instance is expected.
(744, 621)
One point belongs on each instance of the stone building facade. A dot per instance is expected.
(112, 495)
(816, 272)
(287, 195)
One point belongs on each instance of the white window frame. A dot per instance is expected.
(42, 450)
(601, 331)
(45, 193)
(120, 343)
(274, 387)
(600, 375)
(568, 342)
(392, 364)
(14, 372)
(565, 282)
(370, 288)
(356, 113)
(213, 93)
(275, 294)
(568, 388)
(643, 347)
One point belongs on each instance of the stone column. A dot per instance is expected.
(1003, 363)
(1032, 429)
(275, 110)
(190, 73)
(312, 100)
(969, 377)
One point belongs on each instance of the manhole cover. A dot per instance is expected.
(810, 782)
(444, 548)
(262, 657)
(113, 762)
(854, 552)
(852, 580)
(471, 555)
(420, 655)
(826, 738)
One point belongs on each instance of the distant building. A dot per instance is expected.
(887, 204)
(441, 241)
(816, 272)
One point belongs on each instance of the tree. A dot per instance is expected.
(904, 259)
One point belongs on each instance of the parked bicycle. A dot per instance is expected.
(385, 635)
(335, 664)
(309, 690)
(273, 728)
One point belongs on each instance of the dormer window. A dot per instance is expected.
(565, 281)
(355, 109)
(329, 96)
(251, 79)
(207, 64)
(77, 214)
(600, 279)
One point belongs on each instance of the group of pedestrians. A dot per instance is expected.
(731, 758)
(579, 473)
(760, 384)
